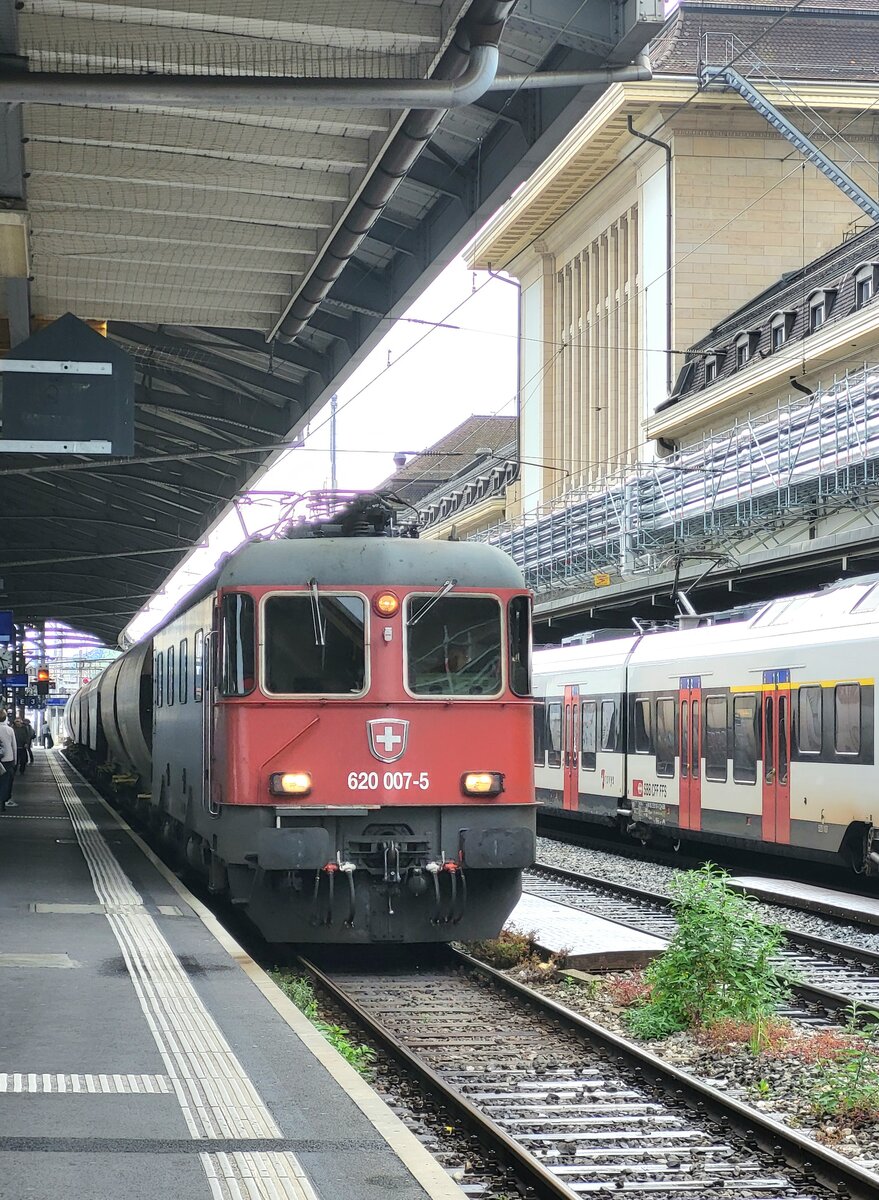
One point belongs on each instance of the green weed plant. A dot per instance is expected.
(718, 965)
(300, 991)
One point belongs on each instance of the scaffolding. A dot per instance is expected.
(796, 465)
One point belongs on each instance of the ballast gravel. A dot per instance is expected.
(656, 877)
(777, 1084)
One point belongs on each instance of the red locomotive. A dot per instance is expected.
(337, 731)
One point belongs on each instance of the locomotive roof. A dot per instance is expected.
(352, 562)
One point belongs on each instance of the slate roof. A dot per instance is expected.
(834, 39)
(833, 271)
(450, 458)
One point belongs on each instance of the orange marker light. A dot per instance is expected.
(387, 604)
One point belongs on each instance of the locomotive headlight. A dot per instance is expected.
(386, 604)
(482, 783)
(290, 783)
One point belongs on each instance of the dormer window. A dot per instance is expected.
(865, 284)
(710, 369)
(820, 305)
(746, 346)
(780, 327)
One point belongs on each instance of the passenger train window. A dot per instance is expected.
(183, 671)
(783, 737)
(665, 738)
(198, 665)
(608, 725)
(642, 726)
(588, 734)
(745, 739)
(159, 678)
(169, 697)
(554, 734)
(847, 705)
(453, 645)
(809, 723)
(539, 733)
(296, 663)
(716, 738)
(519, 617)
(238, 644)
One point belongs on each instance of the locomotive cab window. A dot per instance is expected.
(847, 710)
(237, 632)
(453, 645)
(315, 645)
(519, 616)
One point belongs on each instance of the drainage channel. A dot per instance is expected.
(829, 976)
(574, 1109)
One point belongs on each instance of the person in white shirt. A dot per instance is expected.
(8, 756)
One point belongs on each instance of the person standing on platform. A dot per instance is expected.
(21, 742)
(8, 755)
(31, 735)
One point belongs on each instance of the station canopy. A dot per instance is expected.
(168, 177)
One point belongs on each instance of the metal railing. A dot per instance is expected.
(808, 457)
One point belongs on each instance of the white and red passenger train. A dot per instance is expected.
(754, 732)
(337, 732)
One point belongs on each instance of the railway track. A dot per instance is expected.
(572, 1108)
(830, 976)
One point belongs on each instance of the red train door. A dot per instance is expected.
(690, 746)
(776, 756)
(571, 743)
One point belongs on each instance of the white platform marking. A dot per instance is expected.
(215, 1094)
(111, 1085)
(260, 1175)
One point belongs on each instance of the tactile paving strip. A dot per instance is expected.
(215, 1093)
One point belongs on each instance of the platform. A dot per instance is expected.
(588, 942)
(144, 1054)
(807, 896)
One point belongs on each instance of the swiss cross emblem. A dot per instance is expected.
(387, 739)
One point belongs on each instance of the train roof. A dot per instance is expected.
(365, 562)
(834, 614)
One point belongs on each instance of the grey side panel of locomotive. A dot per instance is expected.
(335, 562)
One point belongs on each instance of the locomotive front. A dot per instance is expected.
(371, 748)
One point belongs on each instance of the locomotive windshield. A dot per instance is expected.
(296, 663)
(454, 648)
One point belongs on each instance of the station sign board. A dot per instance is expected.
(56, 701)
(14, 681)
(7, 630)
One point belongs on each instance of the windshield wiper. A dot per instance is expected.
(317, 620)
(444, 591)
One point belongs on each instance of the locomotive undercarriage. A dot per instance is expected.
(395, 875)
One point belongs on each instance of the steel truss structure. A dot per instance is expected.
(797, 465)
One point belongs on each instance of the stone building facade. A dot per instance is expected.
(630, 251)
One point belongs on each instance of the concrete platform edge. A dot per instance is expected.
(420, 1163)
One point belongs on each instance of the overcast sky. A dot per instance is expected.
(418, 384)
